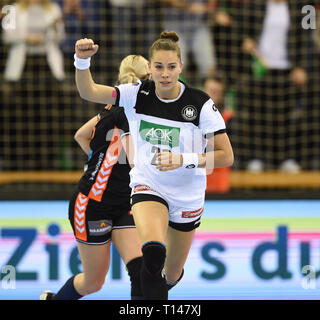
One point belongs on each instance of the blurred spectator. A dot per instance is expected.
(135, 25)
(39, 29)
(218, 181)
(189, 18)
(215, 88)
(73, 7)
(82, 18)
(227, 38)
(75, 23)
(271, 97)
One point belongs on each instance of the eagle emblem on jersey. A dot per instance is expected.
(189, 113)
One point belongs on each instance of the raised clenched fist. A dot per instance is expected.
(85, 48)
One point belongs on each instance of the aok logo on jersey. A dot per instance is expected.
(159, 134)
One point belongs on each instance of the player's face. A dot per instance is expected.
(166, 68)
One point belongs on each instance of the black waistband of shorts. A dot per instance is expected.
(140, 197)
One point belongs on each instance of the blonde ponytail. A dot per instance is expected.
(132, 69)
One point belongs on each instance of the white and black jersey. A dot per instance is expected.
(179, 126)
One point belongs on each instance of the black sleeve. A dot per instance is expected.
(118, 97)
(122, 122)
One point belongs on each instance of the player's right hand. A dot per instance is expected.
(85, 48)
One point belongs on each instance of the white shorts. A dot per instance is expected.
(180, 218)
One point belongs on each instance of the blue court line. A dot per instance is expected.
(213, 209)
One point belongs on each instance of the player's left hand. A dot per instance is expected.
(168, 161)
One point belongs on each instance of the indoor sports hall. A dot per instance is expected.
(259, 61)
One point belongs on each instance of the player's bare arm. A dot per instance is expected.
(88, 89)
(84, 134)
(222, 156)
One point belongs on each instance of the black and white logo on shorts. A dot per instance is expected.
(189, 112)
(100, 227)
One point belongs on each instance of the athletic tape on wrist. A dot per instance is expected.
(190, 160)
(81, 64)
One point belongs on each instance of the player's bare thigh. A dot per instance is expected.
(151, 219)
